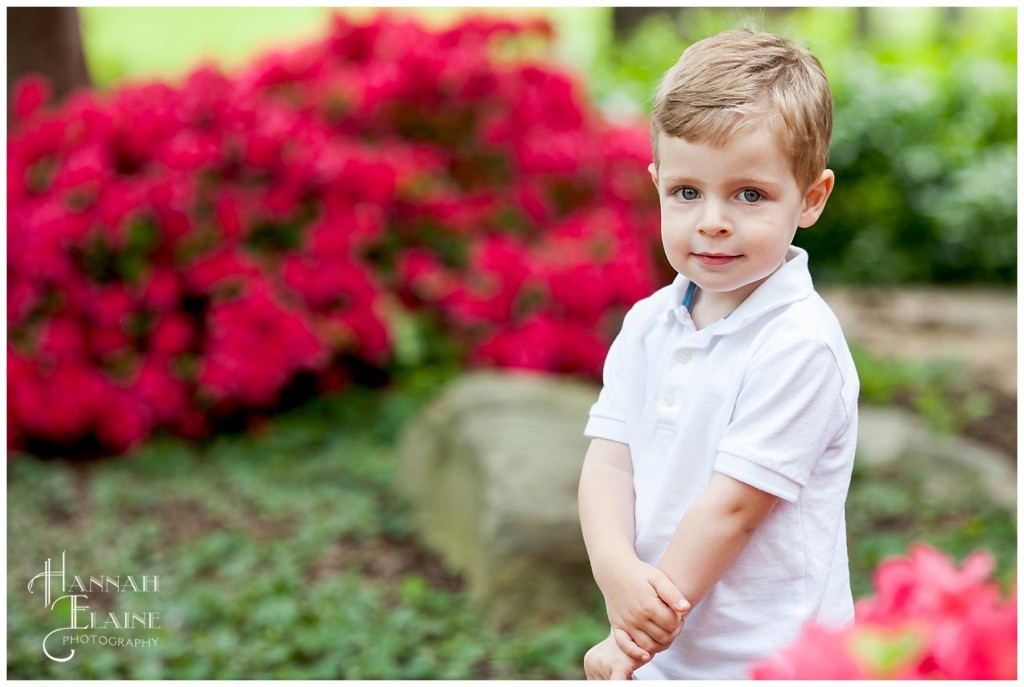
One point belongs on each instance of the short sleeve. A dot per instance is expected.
(789, 410)
(608, 414)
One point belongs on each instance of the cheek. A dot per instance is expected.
(673, 236)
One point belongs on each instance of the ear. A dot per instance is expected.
(815, 197)
(653, 169)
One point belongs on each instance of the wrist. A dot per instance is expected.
(613, 566)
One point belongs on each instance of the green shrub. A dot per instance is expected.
(924, 147)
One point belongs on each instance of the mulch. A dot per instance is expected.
(998, 428)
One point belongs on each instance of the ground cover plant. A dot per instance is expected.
(284, 553)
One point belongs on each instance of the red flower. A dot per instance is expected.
(30, 94)
(172, 333)
(255, 346)
(361, 333)
(165, 396)
(161, 290)
(253, 227)
(123, 421)
(546, 344)
(62, 339)
(22, 298)
(227, 267)
(111, 305)
(423, 276)
(498, 268)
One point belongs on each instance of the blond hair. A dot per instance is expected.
(737, 78)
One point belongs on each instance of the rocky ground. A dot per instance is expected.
(976, 328)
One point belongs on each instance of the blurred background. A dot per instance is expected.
(283, 546)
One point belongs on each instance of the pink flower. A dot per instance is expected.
(111, 305)
(543, 343)
(222, 268)
(63, 339)
(564, 153)
(357, 332)
(820, 653)
(172, 334)
(108, 341)
(228, 213)
(69, 399)
(255, 226)
(30, 94)
(165, 396)
(123, 422)
(498, 269)
(930, 619)
(424, 277)
(22, 298)
(533, 345)
(255, 346)
(927, 584)
(161, 291)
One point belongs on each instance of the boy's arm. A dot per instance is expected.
(712, 534)
(637, 595)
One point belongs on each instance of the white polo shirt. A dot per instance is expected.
(767, 396)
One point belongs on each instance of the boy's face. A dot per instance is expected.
(729, 214)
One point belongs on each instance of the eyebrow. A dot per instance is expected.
(739, 181)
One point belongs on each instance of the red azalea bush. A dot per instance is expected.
(928, 620)
(178, 255)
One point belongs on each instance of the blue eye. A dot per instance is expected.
(687, 193)
(751, 196)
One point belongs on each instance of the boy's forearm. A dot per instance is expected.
(606, 502)
(712, 534)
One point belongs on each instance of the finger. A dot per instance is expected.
(660, 627)
(657, 619)
(646, 641)
(670, 594)
(588, 660)
(672, 639)
(629, 647)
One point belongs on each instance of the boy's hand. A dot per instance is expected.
(605, 661)
(645, 606)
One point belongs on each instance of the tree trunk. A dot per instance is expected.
(46, 41)
(626, 19)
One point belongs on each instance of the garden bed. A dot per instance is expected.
(286, 554)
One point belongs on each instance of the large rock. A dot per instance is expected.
(492, 469)
(949, 468)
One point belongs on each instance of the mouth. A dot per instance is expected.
(715, 259)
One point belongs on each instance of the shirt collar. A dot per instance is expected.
(790, 283)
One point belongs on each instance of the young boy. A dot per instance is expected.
(713, 491)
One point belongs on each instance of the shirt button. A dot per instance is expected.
(668, 398)
(683, 356)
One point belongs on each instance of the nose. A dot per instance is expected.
(714, 219)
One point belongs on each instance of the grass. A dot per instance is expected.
(284, 553)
